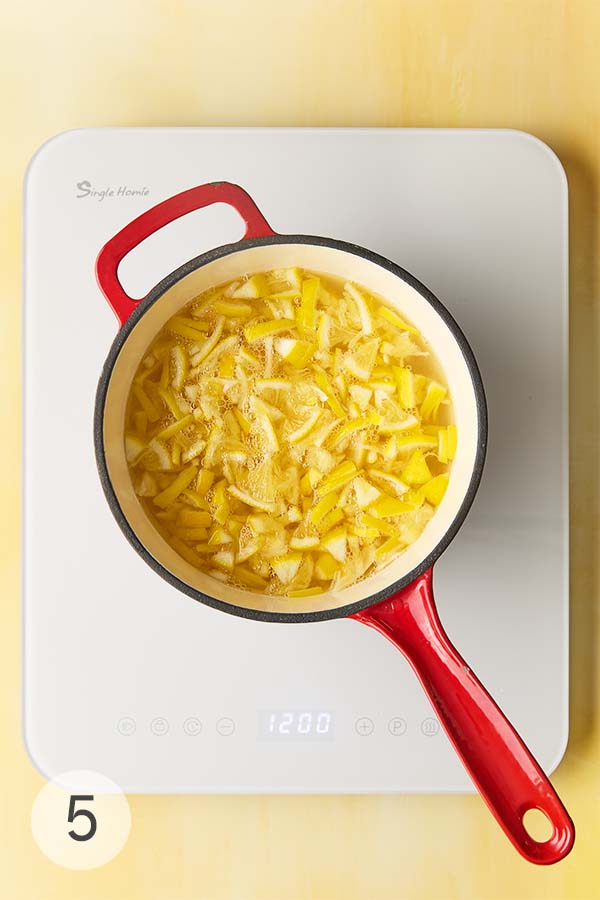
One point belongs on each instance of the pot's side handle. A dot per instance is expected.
(502, 768)
(109, 258)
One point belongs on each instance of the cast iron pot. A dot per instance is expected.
(398, 600)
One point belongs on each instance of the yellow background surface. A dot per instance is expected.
(528, 64)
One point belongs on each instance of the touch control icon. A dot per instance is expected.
(126, 726)
(364, 726)
(430, 727)
(397, 726)
(159, 726)
(192, 726)
(225, 726)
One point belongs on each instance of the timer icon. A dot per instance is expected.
(192, 726)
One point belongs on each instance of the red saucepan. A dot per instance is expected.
(397, 600)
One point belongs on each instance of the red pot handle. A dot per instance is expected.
(162, 214)
(502, 768)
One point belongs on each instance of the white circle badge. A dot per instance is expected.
(80, 820)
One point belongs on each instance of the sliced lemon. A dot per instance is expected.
(310, 480)
(141, 421)
(261, 330)
(337, 478)
(365, 492)
(255, 286)
(248, 358)
(286, 567)
(224, 559)
(452, 441)
(387, 507)
(416, 470)
(209, 344)
(377, 524)
(396, 427)
(146, 403)
(161, 455)
(392, 545)
(179, 359)
(320, 459)
(361, 395)
(134, 447)
(249, 500)
(326, 386)
(300, 541)
(320, 509)
(147, 486)
(273, 384)
(192, 329)
(295, 352)
(335, 543)
(396, 483)
(354, 425)
(325, 567)
(332, 518)
(193, 451)
(228, 345)
(249, 578)
(265, 423)
(194, 518)
(222, 512)
(302, 432)
(227, 367)
(242, 421)
(360, 362)
(219, 536)
(324, 331)
(306, 314)
(248, 545)
(434, 396)
(418, 439)
(183, 480)
(293, 276)
(435, 489)
(394, 319)
(294, 514)
(281, 307)
(232, 310)
(362, 306)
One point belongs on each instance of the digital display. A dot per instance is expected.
(296, 725)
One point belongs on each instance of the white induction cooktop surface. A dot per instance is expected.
(128, 677)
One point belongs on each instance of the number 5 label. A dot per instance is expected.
(73, 813)
(80, 820)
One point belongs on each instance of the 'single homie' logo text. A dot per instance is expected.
(86, 189)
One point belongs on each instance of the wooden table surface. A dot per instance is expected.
(528, 64)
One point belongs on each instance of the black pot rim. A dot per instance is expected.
(161, 288)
